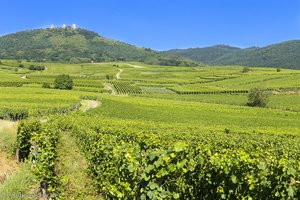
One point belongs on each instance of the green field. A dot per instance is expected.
(156, 132)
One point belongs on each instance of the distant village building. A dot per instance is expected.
(74, 26)
(64, 26)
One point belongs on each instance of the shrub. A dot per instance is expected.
(258, 97)
(21, 66)
(246, 69)
(94, 98)
(46, 85)
(63, 82)
(37, 68)
(278, 70)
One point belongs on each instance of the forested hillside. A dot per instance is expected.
(78, 46)
(283, 55)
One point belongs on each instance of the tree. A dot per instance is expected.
(258, 97)
(63, 82)
(246, 69)
(21, 66)
(109, 76)
(278, 70)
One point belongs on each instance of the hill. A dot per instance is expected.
(206, 54)
(284, 55)
(78, 46)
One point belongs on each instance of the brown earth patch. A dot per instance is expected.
(8, 167)
(286, 92)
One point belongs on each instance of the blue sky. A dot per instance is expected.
(163, 24)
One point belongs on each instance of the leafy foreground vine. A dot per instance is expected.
(38, 142)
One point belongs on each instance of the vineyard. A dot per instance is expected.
(126, 88)
(155, 133)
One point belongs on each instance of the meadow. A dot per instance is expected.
(153, 132)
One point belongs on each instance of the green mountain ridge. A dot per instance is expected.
(206, 54)
(283, 55)
(78, 46)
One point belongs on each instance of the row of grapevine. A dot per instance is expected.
(13, 114)
(94, 98)
(91, 89)
(209, 92)
(11, 84)
(38, 142)
(262, 80)
(126, 88)
(79, 87)
(227, 91)
(76, 77)
(21, 83)
(89, 85)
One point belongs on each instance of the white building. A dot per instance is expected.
(74, 26)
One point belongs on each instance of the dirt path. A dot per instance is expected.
(7, 125)
(8, 166)
(88, 104)
(110, 87)
(136, 66)
(8, 131)
(119, 73)
(72, 167)
(286, 92)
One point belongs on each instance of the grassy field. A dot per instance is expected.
(141, 131)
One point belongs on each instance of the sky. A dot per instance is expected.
(163, 24)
